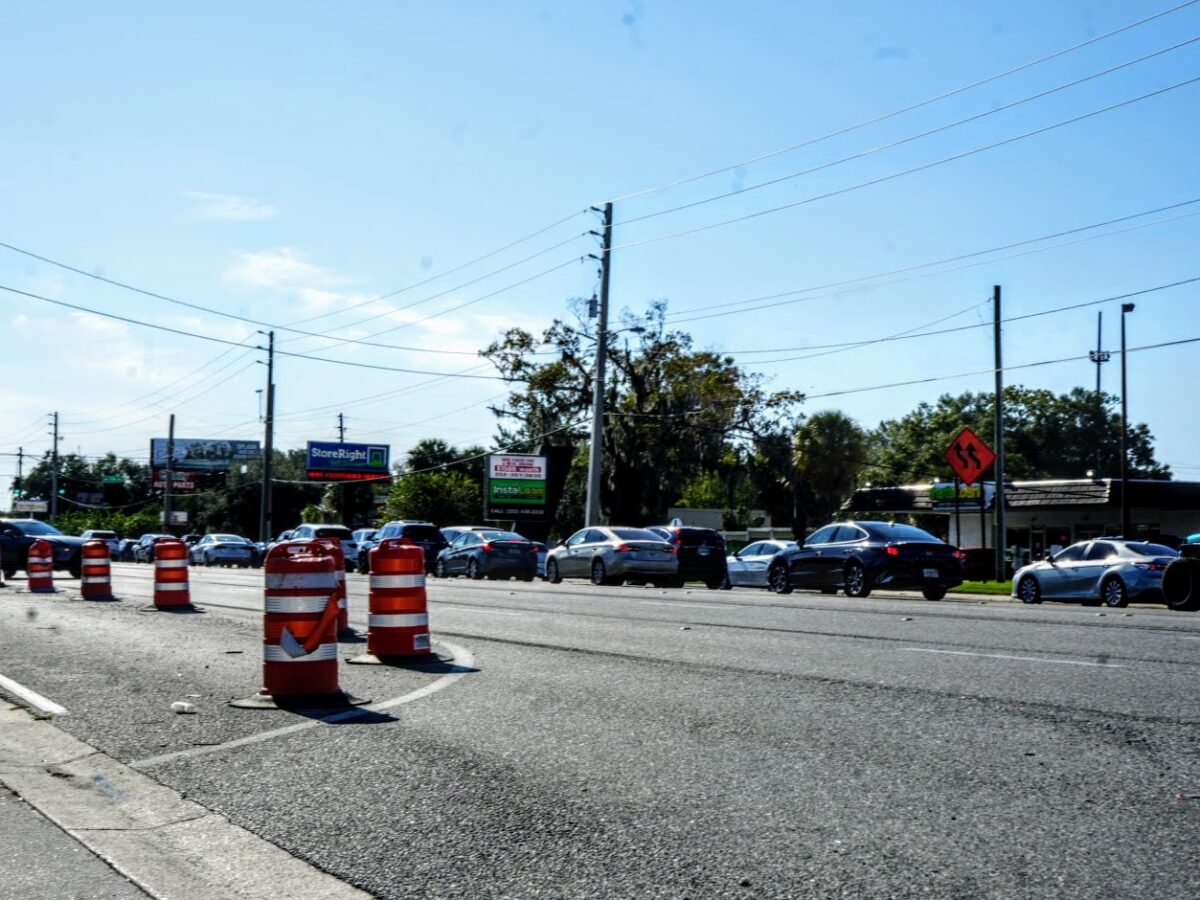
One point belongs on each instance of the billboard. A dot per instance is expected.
(203, 454)
(515, 488)
(180, 481)
(331, 461)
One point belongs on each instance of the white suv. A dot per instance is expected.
(306, 531)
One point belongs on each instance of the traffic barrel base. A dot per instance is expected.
(95, 578)
(300, 613)
(398, 622)
(40, 568)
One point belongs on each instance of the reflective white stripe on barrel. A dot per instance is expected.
(171, 587)
(290, 581)
(412, 620)
(311, 603)
(96, 579)
(170, 563)
(40, 559)
(397, 581)
(323, 653)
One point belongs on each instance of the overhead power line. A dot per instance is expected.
(909, 139)
(217, 340)
(910, 171)
(906, 109)
(744, 305)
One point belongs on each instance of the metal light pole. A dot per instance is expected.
(1125, 308)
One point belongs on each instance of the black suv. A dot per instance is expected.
(701, 553)
(425, 534)
(17, 535)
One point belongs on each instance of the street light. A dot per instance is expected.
(1125, 308)
(591, 515)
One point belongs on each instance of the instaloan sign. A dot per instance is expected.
(515, 488)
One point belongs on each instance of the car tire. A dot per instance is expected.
(777, 579)
(473, 571)
(552, 574)
(855, 580)
(599, 573)
(716, 584)
(1181, 585)
(726, 584)
(208, 560)
(1029, 590)
(10, 573)
(439, 569)
(1114, 594)
(75, 569)
(933, 593)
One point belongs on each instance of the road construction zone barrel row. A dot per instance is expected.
(40, 566)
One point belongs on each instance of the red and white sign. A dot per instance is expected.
(180, 481)
(969, 456)
(517, 466)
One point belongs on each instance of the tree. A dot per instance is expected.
(830, 456)
(673, 412)
(439, 483)
(1046, 435)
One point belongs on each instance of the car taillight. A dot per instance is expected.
(958, 554)
(488, 548)
(893, 550)
(1151, 567)
(623, 548)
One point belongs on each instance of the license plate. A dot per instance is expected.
(703, 551)
(931, 573)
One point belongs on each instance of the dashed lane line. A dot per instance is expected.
(1036, 659)
(31, 698)
(464, 664)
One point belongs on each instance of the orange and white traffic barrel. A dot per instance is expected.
(398, 623)
(300, 611)
(171, 591)
(40, 567)
(339, 565)
(95, 578)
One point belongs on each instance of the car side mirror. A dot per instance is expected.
(1049, 557)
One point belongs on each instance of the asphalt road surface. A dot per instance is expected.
(637, 742)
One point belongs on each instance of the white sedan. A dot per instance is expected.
(748, 566)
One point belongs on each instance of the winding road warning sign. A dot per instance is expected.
(969, 456)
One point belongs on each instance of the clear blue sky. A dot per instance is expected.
(280, 161)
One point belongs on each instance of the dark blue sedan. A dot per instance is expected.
(488, 554)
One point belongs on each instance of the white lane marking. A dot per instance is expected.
(1038, 659)
(34, 699)
(685, 603)
(495, 612)
(462, 658)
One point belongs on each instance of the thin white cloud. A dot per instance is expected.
(281, 269)
(229, 207)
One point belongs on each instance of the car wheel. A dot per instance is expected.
(932, 593)
(207, 560)
(552, 575)
(1181, 585)
(599, 574)
(1114, 594)
(75, 569)
(439, 569)
(777, 579)
(716, 584)
(855, 580)
(1029, 590)
(473, 570)
(726, 584)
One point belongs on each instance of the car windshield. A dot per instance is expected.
(699, 537)
(341, 534)
(103, 535)
(896, 532)
(503, 536)
(637, 534)
(34, 527)
(422, 533)
(1151, 550)
(228, 539)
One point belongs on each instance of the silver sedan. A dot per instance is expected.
(1108, 570)
(748, 566)
(612, 555)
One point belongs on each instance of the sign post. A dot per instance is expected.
(969, 457)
